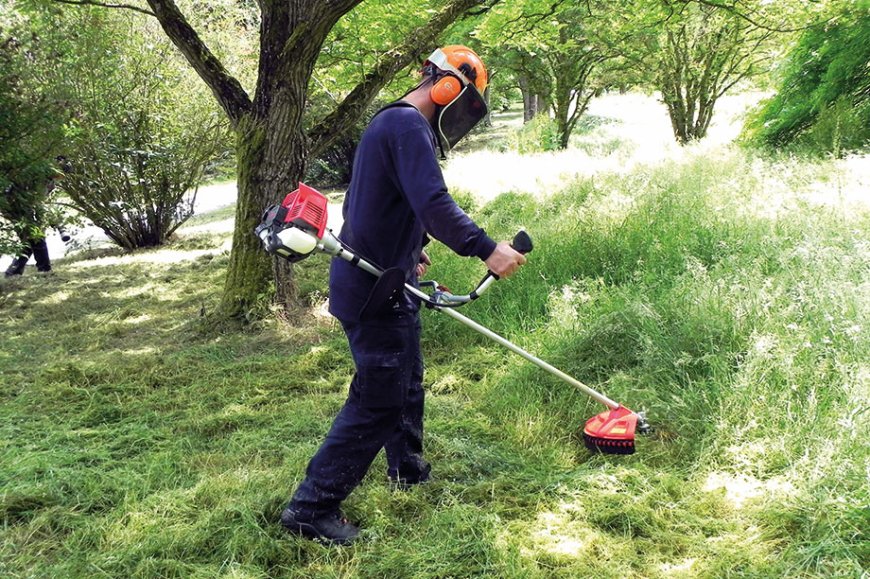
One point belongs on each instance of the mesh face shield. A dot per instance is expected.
(456, 119)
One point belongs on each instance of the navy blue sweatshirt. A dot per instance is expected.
(396, 197)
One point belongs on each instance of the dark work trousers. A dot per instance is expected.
(39, 249)
(384, 409)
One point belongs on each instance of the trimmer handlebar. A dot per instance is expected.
(296, 228)
(521, 243)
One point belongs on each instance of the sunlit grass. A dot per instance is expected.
(723, 293)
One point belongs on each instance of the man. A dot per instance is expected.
(27, 205)
(26, 213)
(396, 198)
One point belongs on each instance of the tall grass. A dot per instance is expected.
(742, 332)
(139, 443)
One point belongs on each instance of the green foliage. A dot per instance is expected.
(358, 39)
(698, 55)
(231, 30)
(538, 135)
(31, 117)
(823, 98)
(143, 134)
(556, 50)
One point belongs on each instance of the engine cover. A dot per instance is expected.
(293, 229)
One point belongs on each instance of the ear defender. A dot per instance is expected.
(445, 90)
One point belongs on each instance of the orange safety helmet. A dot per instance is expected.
(462, 66)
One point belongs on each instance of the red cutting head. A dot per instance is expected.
(611, 432)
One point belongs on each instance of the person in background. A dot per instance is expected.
(28, 215)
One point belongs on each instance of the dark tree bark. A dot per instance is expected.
(537, 103)
(533, 79)
(272, 146)
(527, 97)
(530, 99)
(573, 89)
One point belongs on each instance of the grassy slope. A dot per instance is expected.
(136, 443)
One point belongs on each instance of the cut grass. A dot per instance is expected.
(139, 443)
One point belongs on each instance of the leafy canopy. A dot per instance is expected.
(823, 97)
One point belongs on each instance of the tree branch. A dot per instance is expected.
(732, 8)
(483, 9)
(340, 7)
(334, 125)
(227, 90)
(104, 5)
(529, 21)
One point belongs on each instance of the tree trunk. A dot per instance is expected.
(528, 99)
(249, 265)
(271, 154)
(677, 114)
(562, 108)
(690, 111)
(271, 144)
(561, 105)
(487, 120)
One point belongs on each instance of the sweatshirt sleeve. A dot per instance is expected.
(422, 182)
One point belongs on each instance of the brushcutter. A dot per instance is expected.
(296, 228)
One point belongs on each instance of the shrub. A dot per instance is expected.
(823, 101)
(143, 135)
(538, 135)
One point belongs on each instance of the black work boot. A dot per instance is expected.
(17, 266)
(331, 528)
(405, 483)
(40, 253)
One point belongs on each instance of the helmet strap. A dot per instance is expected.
(430, 76)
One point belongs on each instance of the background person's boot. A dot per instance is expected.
(17, 265)
(40, 254)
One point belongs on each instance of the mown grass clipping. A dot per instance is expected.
(139, 442)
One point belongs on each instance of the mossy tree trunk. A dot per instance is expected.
(272, 145)
(250, 268)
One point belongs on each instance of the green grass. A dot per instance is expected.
(136, 442)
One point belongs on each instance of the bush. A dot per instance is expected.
(139, 184)
(823, 101)
(144, 133)
(539, 135)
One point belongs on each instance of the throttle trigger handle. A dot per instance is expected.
(522, 243)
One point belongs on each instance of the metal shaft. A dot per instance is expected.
(517, 350)
(333, 248)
